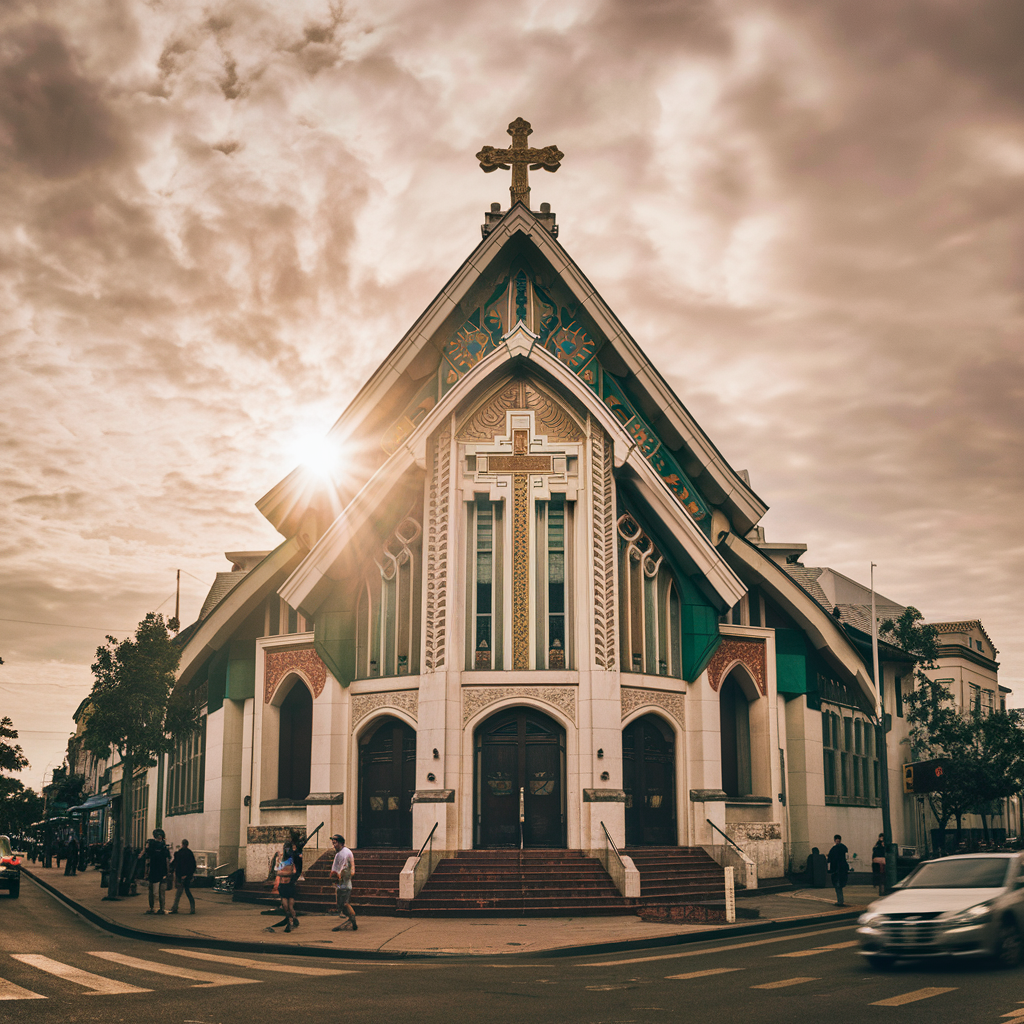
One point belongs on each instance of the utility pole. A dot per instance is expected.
(177, 603)
(881, 746)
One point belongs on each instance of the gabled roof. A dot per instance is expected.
(964, 626)
(415, 358)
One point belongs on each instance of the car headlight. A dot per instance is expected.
(974, 915)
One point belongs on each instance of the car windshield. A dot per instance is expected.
(982, 873)
(5, 846)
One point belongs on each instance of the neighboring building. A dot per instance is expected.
(528, 611)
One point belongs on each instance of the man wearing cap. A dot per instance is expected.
(342, 870)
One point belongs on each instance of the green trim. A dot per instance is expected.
(334, 633)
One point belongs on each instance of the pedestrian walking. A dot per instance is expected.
(878, 864)
(183, 867)
(71, 864)
(839, 868)
(286, 875)
(293, 848)
(158, 856)
(342, 870)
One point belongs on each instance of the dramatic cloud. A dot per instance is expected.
(218, 217)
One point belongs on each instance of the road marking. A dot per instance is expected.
(99, 985)
(717, 949)
(256, 965)
(913, 997)
(819, 949)
(8, 990)
(785, 982)
(702, 974)
(206, 979)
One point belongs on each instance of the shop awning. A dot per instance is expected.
(92, 804)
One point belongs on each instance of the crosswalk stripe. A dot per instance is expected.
(206, 979)
(913, 997)
(715, 949)
(819, 949)
(98, 985)
(785, 982)
(256, 965)
(702, 974)
(8, 990)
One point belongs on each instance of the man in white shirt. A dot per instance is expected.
(342, 870)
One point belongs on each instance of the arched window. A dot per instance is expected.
(649, 605)
(388, 608)
(296, 743)
(734, 710)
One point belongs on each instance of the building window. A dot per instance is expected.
(554, 521)
(388, 609)
(649, 606)
(140, 810)
(849, 758)
(484, 607)
(975, 699)
(186, 777)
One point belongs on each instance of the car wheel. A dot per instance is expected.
(881, 963)
(1008, 946)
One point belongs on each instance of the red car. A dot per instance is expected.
(10, 868)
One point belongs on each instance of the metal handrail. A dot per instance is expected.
(427, 840)
(724, 836)
(611, 843)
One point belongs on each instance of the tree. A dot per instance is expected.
(133, 713)
(19, 808)
(12, 757)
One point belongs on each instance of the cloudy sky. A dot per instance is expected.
(218, 216)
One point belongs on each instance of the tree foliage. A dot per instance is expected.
(12, 757)
(131, 710)
(983, 754)
(19, 807)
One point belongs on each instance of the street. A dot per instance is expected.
(55, 967)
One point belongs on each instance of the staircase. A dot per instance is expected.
(518, 883)
(374, 884)
(677, 874)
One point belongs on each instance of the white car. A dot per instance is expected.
(967, 906)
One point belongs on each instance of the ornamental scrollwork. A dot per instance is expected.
(364, 704)
(277, 665)
(476, 698)
(633, 698)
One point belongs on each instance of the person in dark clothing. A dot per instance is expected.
(878, 864)
(839, 868)
(158, 856)
(293, 848)
(183, 867)
(71, 865)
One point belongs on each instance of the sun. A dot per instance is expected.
(323, 456)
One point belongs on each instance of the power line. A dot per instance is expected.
(68, 625)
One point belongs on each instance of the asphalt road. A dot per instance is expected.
(54, 967)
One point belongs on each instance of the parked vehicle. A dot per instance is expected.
(964, 906)
(10, 868)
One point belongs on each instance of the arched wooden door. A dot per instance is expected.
(387, 781)
(520, 774)
(649, 779)
(295, 744)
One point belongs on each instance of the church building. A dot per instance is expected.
(533, 610)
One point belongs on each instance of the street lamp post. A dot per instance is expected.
(882, 747)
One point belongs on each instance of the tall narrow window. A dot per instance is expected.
(483, 635)
(552, 642)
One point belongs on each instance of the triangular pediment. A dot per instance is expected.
(519, 294)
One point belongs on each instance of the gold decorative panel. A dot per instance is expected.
(437, 555)
(476, 698)
(277, 665)
(520, 571)
(732, 651)
(603, 548)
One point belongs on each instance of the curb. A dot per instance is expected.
(590, 949)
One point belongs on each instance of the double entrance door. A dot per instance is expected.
(387, 781)
(520, 781)
(649, 779)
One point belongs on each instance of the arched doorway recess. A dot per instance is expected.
(295, 745)
(387, 781)
(520, 781)
(649, 779)
(734, 709)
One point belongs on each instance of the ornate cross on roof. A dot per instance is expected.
(520, 156)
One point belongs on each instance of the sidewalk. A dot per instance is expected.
(224, 924)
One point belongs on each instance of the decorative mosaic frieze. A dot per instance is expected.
(604, 548)
(732, 651)
(754, 831)
(633, 698)
(277, 665)
(476, 698)
(364, 704)
(437, 555)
